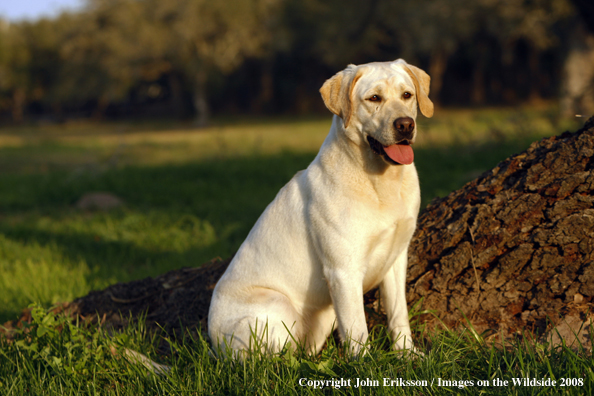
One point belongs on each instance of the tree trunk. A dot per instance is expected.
(514, 246)
(266, 93)
(437, 68)
(99, 111)
(533, 65)
(478, 74)
(18, 105)
(577, 90)
(200, 100)
(177, 95)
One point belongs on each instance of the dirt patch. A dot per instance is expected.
(173, 301)
(101, 201)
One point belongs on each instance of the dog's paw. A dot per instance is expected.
(405, 345)
(411, 353)
(415, 353)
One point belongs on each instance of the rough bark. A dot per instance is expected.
(508, 251)
(515, 246)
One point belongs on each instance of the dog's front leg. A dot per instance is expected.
(346, 290)
(393, 294)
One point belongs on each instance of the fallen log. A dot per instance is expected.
(514, 248)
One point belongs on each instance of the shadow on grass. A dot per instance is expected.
(225, 196)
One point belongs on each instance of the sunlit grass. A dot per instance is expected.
(85, 144)
(39, 272)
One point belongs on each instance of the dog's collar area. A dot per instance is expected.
(378, 149)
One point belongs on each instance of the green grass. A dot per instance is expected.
(54, 356)
(191, 195)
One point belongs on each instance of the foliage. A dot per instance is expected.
(195, 53)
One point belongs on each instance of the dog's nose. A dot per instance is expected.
(404, 126)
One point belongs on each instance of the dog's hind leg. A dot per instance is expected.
(319, 326)
(268, 323)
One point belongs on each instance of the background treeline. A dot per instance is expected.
(190, 58)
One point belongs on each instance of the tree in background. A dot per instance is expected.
(279, 52)
(577, 90)
(487, 32)
(212, 36)
(5, 65)
(111, 47)
(15, 81)
(483, 33)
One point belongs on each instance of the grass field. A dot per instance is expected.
(191, 195)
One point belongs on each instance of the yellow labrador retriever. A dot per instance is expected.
(337, 229)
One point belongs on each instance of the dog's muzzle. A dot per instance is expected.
(400, 153)
(378, 148)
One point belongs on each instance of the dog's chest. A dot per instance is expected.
(385, 246)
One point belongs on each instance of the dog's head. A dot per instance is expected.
(378, 106)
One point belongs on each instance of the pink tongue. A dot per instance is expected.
(401, 153)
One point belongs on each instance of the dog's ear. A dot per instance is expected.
(422, 82)
(337, 92)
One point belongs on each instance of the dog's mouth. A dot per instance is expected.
(395, 154)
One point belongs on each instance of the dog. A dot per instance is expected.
(338, 229)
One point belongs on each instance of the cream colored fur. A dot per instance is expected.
(335, 231)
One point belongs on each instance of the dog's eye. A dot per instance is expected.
(406, 95)
(375, 98)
